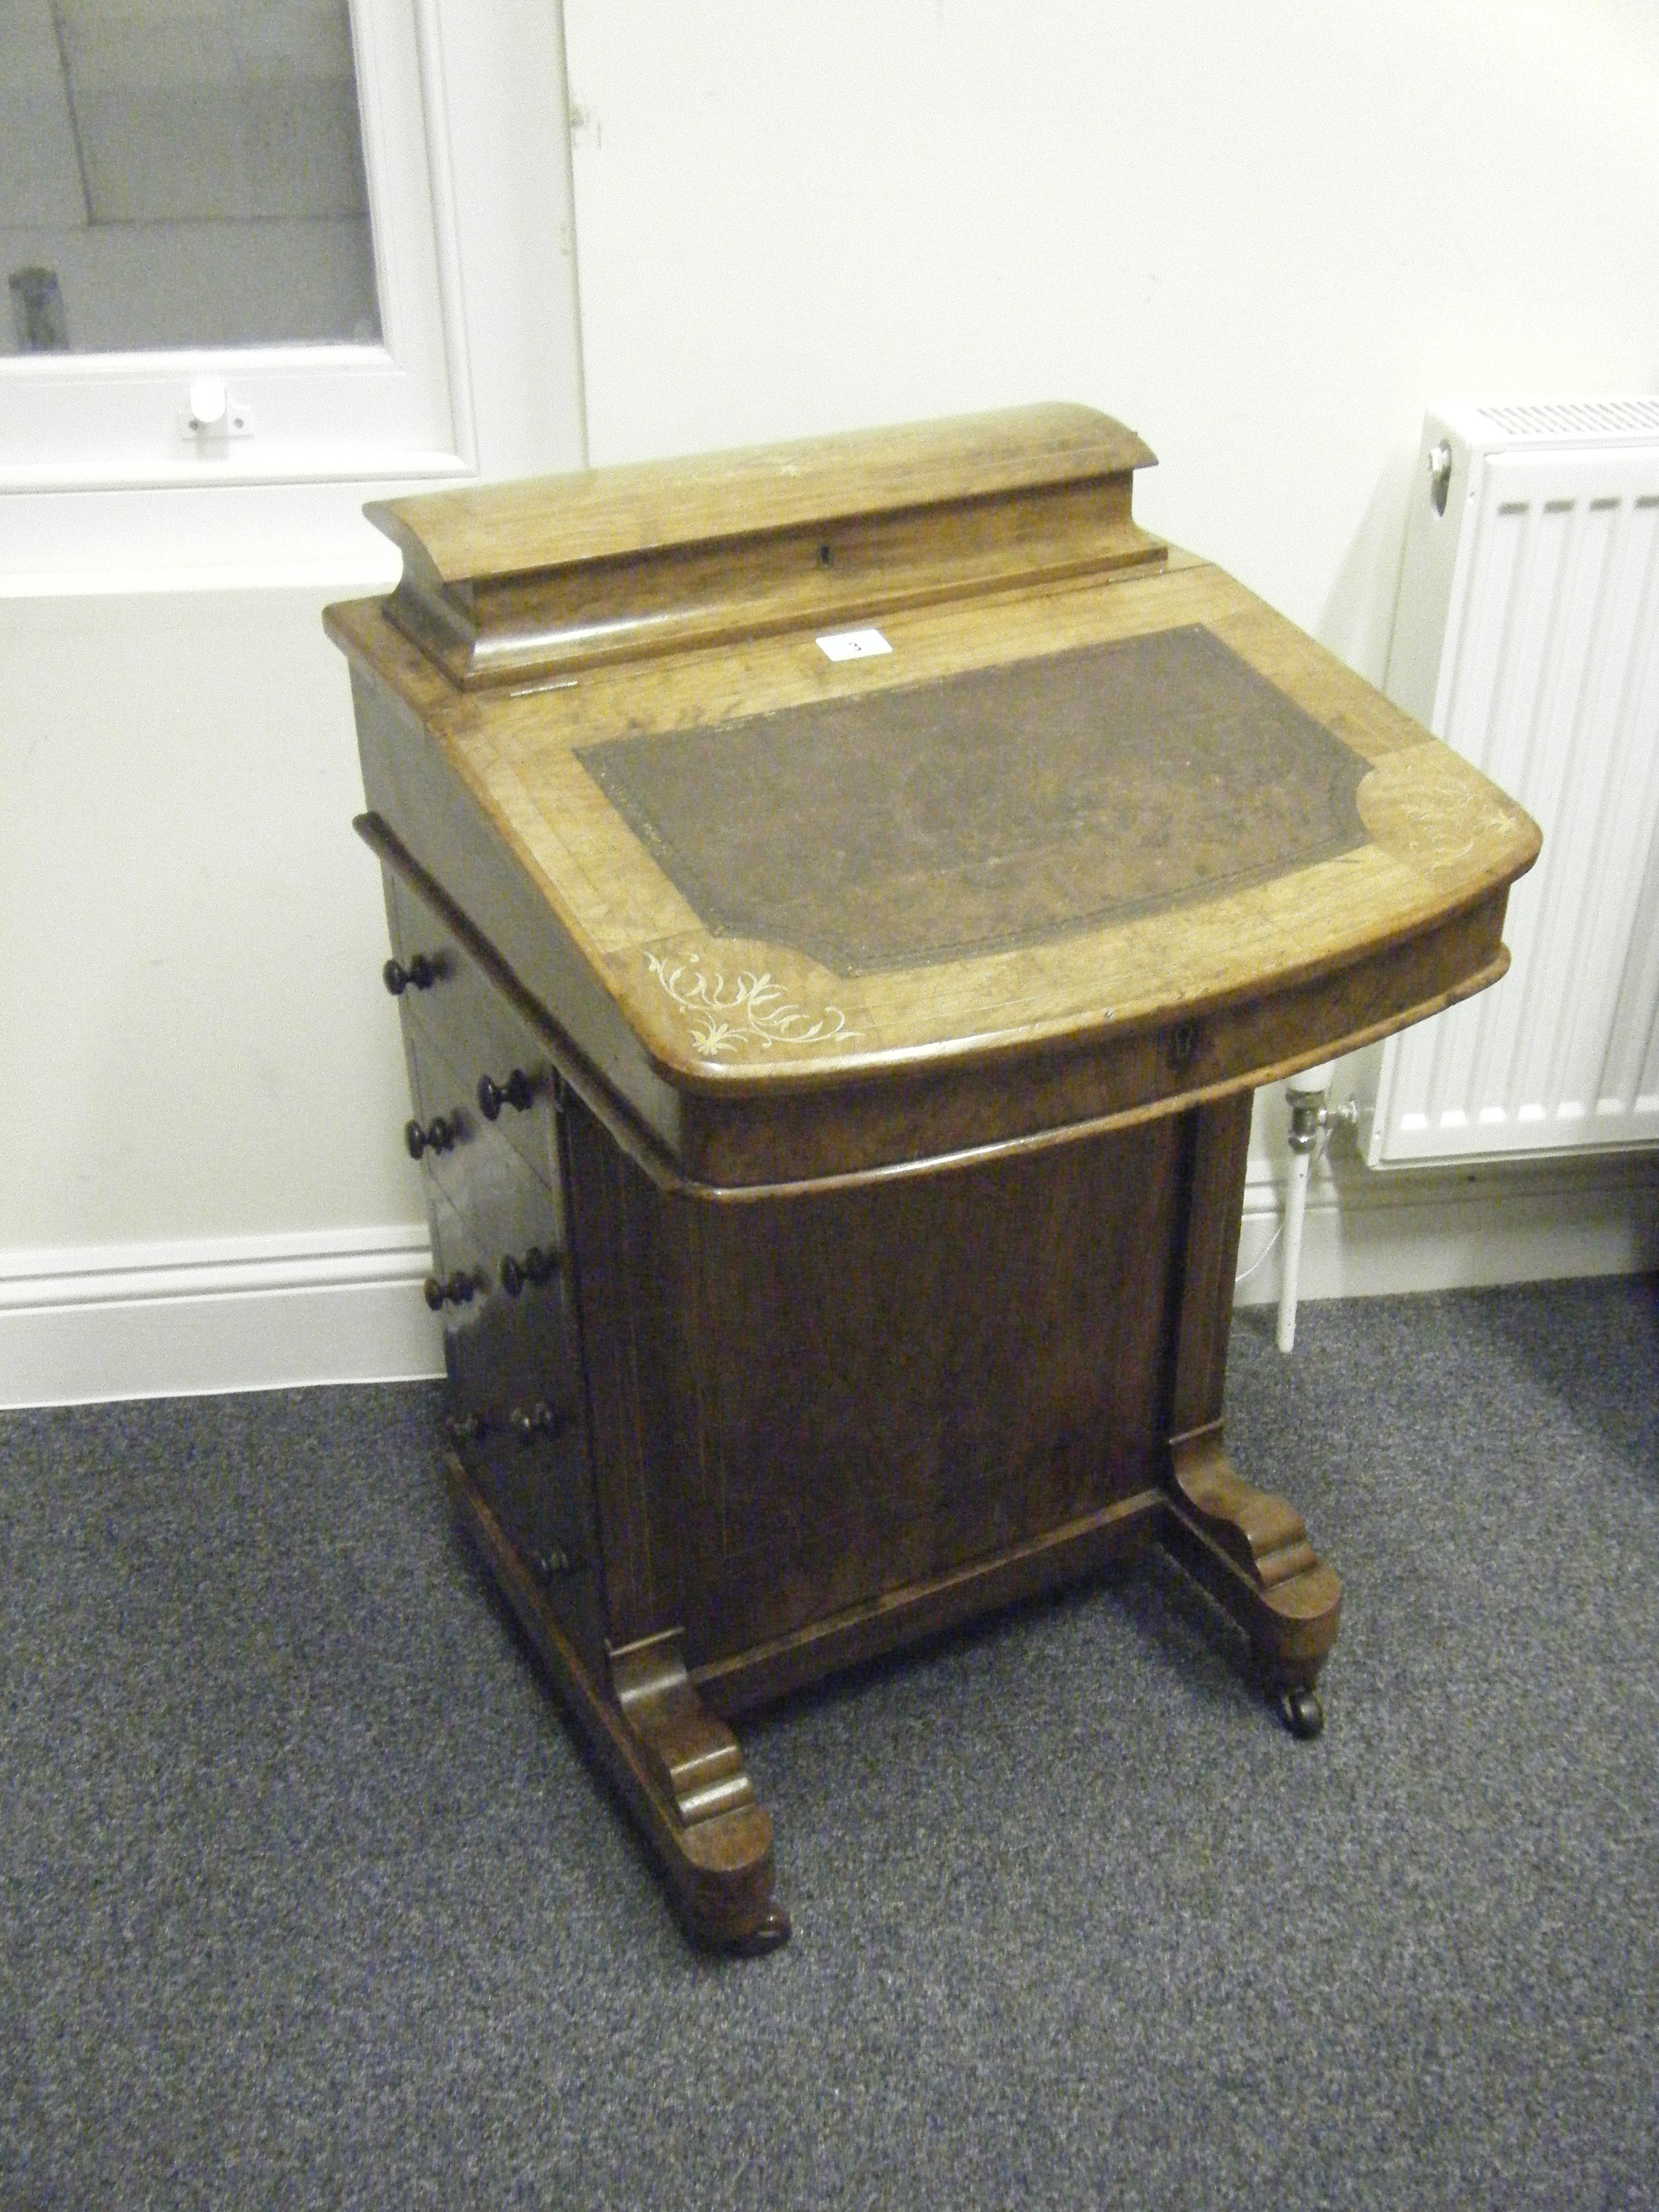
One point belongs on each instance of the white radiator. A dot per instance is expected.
(1527, 635)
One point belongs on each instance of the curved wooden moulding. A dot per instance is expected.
(544, 579)
(677, 1768)
(1250, 1551)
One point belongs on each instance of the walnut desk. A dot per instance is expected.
(842, 898)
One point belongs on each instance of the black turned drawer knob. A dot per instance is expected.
(536, 1267)
(438, 1136)
(547, 1567)
(458, 1291)
(517, 1091)
(540, 1419)
(466, 1428)
(420, 974)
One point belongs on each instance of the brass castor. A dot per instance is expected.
(1301, 1712)
(769, 1935)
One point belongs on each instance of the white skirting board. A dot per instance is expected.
(286, 1312)
(187, 1319)
(1372, 1236)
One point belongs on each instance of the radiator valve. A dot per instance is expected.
(1311, 1118)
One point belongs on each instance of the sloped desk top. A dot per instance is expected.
(1076, 814)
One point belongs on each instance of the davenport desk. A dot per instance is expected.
(843, 897)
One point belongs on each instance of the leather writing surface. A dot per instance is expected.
(992, 808)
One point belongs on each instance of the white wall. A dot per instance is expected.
(204, 1089)
(1266, 237)
(186, 906)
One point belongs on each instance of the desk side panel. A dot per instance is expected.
(808, 1403)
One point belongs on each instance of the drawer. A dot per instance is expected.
(478, 1163)
(519, 1418)
(445, 1127)
(535, 1482)
(510, 1337)
(502, 1067)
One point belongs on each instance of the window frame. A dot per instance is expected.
(320, 414)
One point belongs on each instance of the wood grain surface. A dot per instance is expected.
(812, 1402)
(597, 514)
(682, 1013)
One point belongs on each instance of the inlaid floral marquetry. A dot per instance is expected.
(744, 1013)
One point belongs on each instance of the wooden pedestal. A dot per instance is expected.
(716, 1443)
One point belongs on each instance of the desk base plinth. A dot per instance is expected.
(658, 1733)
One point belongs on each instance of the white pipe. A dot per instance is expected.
(1296, 1212)
(1313, 1083)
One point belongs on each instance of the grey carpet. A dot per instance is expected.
(311, 1898)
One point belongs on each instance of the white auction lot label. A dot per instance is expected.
(853, 644)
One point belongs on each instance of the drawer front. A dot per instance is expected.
(505, 1183)
(512, 1350)
(502, 1070)
(446, 1128)
(509, 1350)
(502, 1280)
